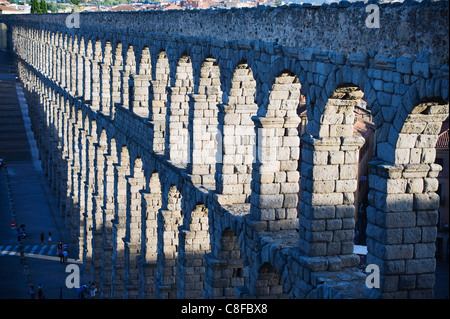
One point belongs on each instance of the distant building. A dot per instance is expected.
(123, 7)
(173, 7)
(9, 10)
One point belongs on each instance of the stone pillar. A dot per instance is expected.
(116, 87)
(82, 177)
(178, 126)
(204, 140)
(139, 92)
(166, 274)
(118, 260)
(158, 99)
(401, 230)
(79, 75)
(124, 88)
(57, 65)
(233, 171)
(151, 203)
(69, 171)
(63, 54)
(193, 245)
(95, 84)
(328, 182)
(88, 184)
(73, 75)
(105, 88)
(86, 80)
(225, 274)
(67, 69)
(107, 227)
(133, 235)
(275, 176)
(131, 271)
(97, 213)
(119, 230)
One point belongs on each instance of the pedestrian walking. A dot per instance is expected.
(92, 290)
(49, 238)
(61, 256)
(65, 254)
(40, 292)
(60, 246)
(32, 292)
(42, 238)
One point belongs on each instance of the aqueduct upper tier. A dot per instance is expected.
(171, 142)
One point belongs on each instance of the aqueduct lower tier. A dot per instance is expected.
(170, 140)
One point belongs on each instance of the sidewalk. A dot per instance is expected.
(33, 201)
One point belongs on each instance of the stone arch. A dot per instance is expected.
(412, 137)
(329, 178)
(140, 83)
(239, 139)
(118, 54)
(129, 68)
(179, 101)
(105, 78)
(130, 60)
(107, 52)
(158, 100)
(403, 201)
(170, 217)
(87, 56)
(145, 63)
(115, 76)
(268, 283)
(227, 272)
(203, 124)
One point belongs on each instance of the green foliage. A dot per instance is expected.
(43, 6)
(52, 7)
(35, 7)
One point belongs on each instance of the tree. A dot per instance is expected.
(35, 7)
(43, 6)
(52, 7)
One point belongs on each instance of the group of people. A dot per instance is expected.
(63, 252)
(21, 234)
(32, 292)
(87, 291)
(49, 238)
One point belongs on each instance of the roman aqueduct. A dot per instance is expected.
(170, 141)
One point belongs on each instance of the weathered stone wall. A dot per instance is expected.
(196, 150)
(339, 28)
